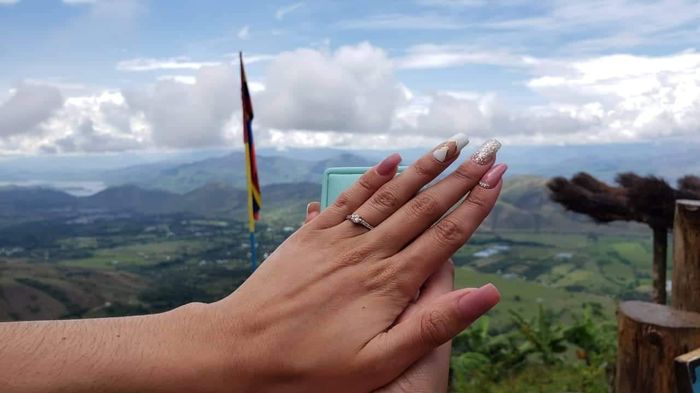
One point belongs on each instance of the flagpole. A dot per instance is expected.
(253, 256)
(252, 183)
(251, 219)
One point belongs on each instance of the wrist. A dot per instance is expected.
(207, 351)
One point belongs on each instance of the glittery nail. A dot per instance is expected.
(451, 147)
(487, 152)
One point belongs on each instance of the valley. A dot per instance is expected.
(129, 250)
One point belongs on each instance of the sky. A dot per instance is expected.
(96, 76)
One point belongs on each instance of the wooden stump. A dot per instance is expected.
(650, 337)
(686, 256)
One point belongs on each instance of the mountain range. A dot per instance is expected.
(228, 170)
(187, 170)
(524, 205)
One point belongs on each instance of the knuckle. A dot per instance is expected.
(434, 328)
(405, 385)
(354, 256)
(477, 200)
(343, 200)
(448, 233)
(365, 183)
(465, 175)
(424, 204)
(387, 197)
(381, 277)
(426, 169)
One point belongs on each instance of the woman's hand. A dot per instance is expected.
(332, 309)
(323, 312)
(430, 374)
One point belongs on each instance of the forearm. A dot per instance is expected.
(154, 353)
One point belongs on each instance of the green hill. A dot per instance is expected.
(524, 204)
(229, 170)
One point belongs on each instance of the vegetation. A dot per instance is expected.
(539, 355)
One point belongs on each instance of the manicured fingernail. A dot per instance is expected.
(451, 147)
(308, 208)
(487, 152)
(475, 303)
(389, 164)
(493, 176)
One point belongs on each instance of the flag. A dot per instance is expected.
(253, 186)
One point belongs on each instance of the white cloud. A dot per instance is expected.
(85, 138)
(256, 87)
(283, 11)
(98, 122)
(8, 2)
(351, 89)
(617, 98)
(249, 58)
(403, 22)
(189, 115)
(244, 32)
(186, 79)
(636, 97)
(27, 107)
(171, 63)
(350, 97)
(426, 56)
(483, 116)
(184, 63)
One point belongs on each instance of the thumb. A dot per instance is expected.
(434, 325)
(313, 209)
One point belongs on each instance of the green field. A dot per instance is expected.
(561, 271)
(600, 264)
(138, 254)
(525, 297)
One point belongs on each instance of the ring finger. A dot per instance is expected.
(395, 193)
(425, 209)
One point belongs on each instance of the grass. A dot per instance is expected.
(138, 254)
(602, 264)
(525, 296)
(538, 378)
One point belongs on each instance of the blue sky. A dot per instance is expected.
(114, 75)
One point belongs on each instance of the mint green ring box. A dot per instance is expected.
(338, 179)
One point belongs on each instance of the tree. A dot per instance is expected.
(543, 335)
(646, 199)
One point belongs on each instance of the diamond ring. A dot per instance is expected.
(357, 219)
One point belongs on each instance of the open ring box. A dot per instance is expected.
(338, 179)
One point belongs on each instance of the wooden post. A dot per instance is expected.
(650, 337)
(686, 256)
(658, 269)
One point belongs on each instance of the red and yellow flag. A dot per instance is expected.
(253, 186)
